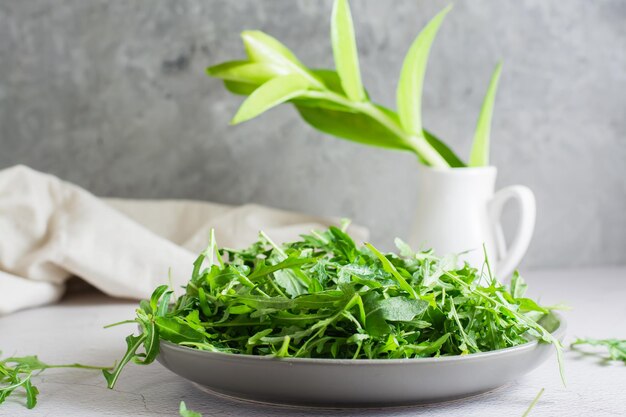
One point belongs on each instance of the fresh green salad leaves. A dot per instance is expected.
(16, 374)
(616, 347)
(184, 412)
(336, 102)
(325, 297)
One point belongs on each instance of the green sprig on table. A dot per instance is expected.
(616, 348)
(336, 102)
(185, 412)
(16, 374)
(324, 297)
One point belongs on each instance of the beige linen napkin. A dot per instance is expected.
(51, 230)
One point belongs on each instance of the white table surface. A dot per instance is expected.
(72, 332)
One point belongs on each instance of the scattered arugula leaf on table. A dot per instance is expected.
(16, 374)
(616, 347)
(325, 297)
(184, 412)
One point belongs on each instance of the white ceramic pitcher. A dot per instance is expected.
(458, 211)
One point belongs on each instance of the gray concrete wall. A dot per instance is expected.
(112, 96)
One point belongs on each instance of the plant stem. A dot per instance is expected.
(532, 405)
(79, 366)
(418, 144)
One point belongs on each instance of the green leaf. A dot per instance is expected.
(430, 348)
(290, 282)
(326, 299)
(31, 363)
(347, 273)
(263, 269)
(256, 338)
(479, 155)
(176, 330)
(262, 303)
(330, 79)
(261, 47)
(364, 305)
(404, 248)
(401, 309)
(132, 344)
(518, 286)
(375, 323)
(616, 347)
(344, 243)
(150, 344)
(31, 394)
(526, 304)
(356, 127)
(345, 51)
(274, 92)
(154, 298)
(164, 304)
(451, 158)
(240, 88)
(184, 412)
(248, 72)
(388, 266)
(409, 93)
(16, 372)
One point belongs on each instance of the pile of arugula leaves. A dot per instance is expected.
(324, 297)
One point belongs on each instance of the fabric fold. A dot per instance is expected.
(51, 230)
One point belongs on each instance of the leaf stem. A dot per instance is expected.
(532, 404)
(80, 366)
(419, 145)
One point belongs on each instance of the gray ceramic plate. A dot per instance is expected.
(350, 383)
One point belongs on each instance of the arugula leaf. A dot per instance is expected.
(177, 330)
(184, 412)
(263, 269)
(290, 282)
(324, 296)
(518, 286)
(390, 268)
(17, 372)
(401, 309)
(616, 348)
(132, 344)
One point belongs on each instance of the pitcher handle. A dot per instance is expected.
(509, 258)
